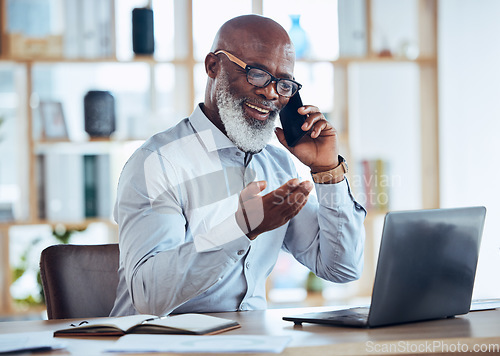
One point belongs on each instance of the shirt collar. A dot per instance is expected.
(209, 134)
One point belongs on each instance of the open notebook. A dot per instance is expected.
(191, 324)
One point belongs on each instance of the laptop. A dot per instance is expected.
(426, 269)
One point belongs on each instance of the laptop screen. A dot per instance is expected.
(427, 264)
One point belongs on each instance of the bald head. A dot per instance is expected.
(258, 42)
(253, 33)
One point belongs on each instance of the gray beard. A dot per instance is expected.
(248, 134)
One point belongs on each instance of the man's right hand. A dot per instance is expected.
(257, 214)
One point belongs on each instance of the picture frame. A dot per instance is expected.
(53, 121)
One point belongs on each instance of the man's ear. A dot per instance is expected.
(212, 65)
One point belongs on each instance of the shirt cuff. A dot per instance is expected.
(333, 195)
(222, 234)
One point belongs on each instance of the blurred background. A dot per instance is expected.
(411, 86)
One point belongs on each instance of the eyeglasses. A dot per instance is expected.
(261, 78)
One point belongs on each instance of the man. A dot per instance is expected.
(205, 207)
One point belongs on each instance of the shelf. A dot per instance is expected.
(83, 147)
(137, 59)
(72, 225)
(56, 60)
(373, 59)
(152, 60)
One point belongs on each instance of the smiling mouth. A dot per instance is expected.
(259, 109)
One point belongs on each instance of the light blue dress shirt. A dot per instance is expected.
(181, 249)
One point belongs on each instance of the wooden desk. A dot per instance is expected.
(476, 329)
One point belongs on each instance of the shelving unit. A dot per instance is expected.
(427, 62)
(184, 64)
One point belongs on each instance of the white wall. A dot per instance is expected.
(384, 109)
(469, 89)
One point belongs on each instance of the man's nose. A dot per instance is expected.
(269, 91)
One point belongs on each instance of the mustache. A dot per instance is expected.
(270, 105)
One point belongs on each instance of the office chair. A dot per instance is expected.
(79, 281)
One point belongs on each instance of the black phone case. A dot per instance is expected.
(291, 121)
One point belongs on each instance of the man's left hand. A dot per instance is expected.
(318, 149)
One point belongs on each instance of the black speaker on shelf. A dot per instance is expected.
(99, 109)
(143, 41)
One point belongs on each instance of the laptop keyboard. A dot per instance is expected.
(350, 317)
(357, 314)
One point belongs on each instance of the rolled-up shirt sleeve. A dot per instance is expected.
(328, 234)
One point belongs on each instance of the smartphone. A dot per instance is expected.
(291, 120)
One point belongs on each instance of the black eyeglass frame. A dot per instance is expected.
(272, 79)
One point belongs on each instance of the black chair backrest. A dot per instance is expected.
(79, 281)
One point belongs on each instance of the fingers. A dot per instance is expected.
(250, 213)
(257, 214)
(308, 110)
(297, 207)
(290, 205)
(315, 121)
(292, 190)
(252, 189)
(281, 137)
(319, 125)
(298, 196)
(290, 194)
(286, 188)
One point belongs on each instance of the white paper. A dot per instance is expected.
(194, 343)
(29, 342)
